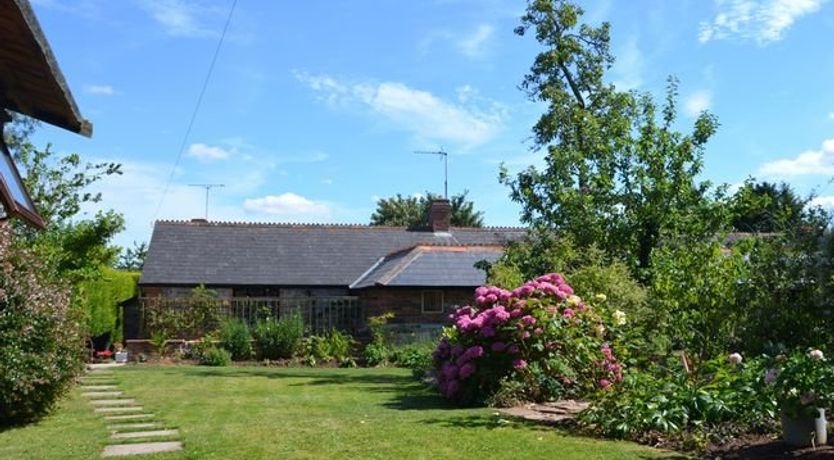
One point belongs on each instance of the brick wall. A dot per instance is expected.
(407, 303)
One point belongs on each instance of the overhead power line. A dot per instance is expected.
(196, 110)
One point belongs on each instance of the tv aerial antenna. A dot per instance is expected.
(208, 188)
(444, 156)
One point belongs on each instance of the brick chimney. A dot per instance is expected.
(440, 215)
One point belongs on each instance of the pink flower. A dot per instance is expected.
(481, 291)
(515, 313)
(519, 363)
(449, 370)
(527, 319)
(538, 331)
(512, 349)
(525, 335)
(568, 313)
(604, 383)
(452, 387)
(735, 359)
(491, 298)
(498, 347)
(466, 370)
(488, 331)
(480, 300)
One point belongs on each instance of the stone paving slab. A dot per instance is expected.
(112, 402)
(102, 394)
(99, 387)
(132, 426)
(123, 450)
(144, 434)
(119, 409)
(127, 417)
(103, 366)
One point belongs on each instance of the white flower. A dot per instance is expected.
(619, 317)
(816, 355)
(734, 358)
(601, 297)
(600, 329)
(793, 392)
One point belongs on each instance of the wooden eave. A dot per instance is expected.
(31, 82)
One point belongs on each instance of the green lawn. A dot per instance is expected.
(250, 413)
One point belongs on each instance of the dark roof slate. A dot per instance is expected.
(430, 266)
(219, 253)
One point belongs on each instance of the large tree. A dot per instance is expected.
(74, 245)
(617, 174)
(412, 212)
(766, 207)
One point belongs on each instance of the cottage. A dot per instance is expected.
(419, 275)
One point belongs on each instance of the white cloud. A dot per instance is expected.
(831, 115)
(697, 102)
(763, 21)
(420, 112)
(327, 181)
(207, 152)
(179, 18)
(287, 204)
(100, 90)
(811, 162)
(474, 44)
(824, 201)
(628, 68)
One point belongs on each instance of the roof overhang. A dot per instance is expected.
(31, 82)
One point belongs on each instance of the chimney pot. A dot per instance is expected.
(440, 215)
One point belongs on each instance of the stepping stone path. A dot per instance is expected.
(133, 432)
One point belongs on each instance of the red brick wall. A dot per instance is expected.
(406, 303)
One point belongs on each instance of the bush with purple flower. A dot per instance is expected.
(540, 336)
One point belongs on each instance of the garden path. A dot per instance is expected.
(133, 431)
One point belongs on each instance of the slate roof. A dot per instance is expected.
(430, 266)
(222, 253)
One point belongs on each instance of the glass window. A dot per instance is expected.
(432, 301)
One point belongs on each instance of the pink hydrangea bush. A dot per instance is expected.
(538, 332)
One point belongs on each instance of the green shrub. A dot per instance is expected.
(236, 338)
(415, 356)
(100, 298)
(41, 343)
(278, 339)
(377, 351)
(214, 356)
(332, 346)
(717, 398)
(376, 354)
(187, 318)
(159, 342)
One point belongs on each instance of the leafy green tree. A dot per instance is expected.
(766, 207)
(617, 174)
(133, 259)
(412, 212)
(74, 247)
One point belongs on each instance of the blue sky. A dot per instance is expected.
(314, 107)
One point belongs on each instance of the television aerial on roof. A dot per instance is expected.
(444, 156)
